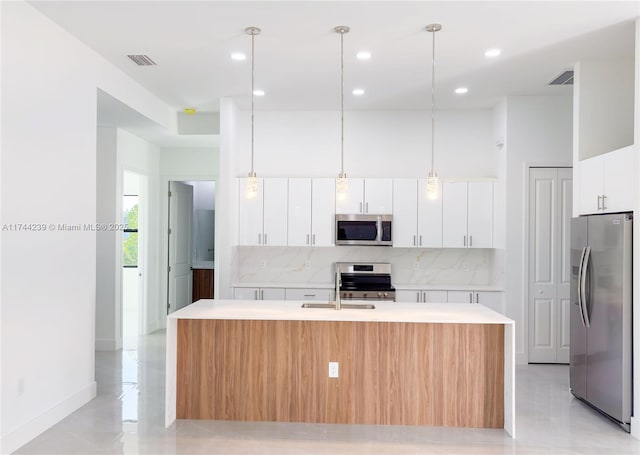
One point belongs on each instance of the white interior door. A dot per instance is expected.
(180, 222)
(549, 275)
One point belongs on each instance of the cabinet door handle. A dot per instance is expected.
(471, 297)
(313, 239)
(262, 294)
(420, 240)
(256, 295)
(477, 298)
(464, 242)
(361, 207)
(470, 240)
(259, 239)
(265, 238)
(307, 239)
(424, 297)
(309, 295)
(418, 297)
(604, 207)
(599, 201)
(414, 240)
(366, 208)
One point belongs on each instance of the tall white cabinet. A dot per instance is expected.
(417, 220)
(467, 219)
(372, 196)
(263, 219)
(311, 211)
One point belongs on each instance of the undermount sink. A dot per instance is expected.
(345, 306)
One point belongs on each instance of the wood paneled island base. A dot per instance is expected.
(395, 373)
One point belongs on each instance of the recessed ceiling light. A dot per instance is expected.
(492, 53)
(358, 91)
(461, 90)
(258, 92)
(238, 56)
(364, 55)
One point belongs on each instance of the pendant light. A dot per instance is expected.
(252, 179)
(342, 185)
(432, 178)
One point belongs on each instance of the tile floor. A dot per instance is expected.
(127, 417)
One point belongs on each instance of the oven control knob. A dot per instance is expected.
(379, 294)
(386, 294)
(364, 296)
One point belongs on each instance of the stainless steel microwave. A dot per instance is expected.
(364, 230)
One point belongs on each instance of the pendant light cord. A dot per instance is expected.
(253, 37)
(433, 95)
(342, 103)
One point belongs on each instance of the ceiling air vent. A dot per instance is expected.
(142, 60)
(565, 78)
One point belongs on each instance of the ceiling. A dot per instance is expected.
(298, 53)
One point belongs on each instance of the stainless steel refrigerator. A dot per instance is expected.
(601, 317)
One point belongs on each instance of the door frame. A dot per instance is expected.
(164, 236)
(525, 247)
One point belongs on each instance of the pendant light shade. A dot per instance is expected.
(251, 190)
(342, 184)
(432, 178)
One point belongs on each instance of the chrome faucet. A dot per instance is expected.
(338, 283)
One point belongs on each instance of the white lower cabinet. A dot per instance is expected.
(490, 299)
(258, 293)
(421, 296)
(324, 295)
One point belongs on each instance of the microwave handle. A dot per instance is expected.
(379, 229)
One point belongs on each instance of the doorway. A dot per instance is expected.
(549, 207)
(132, 286)
(191, 240)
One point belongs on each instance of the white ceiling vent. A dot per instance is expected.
(564, 78)
(142, 60)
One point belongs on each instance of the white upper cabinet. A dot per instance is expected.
(299, 222)
(263, 219)
(429, 217)
(606, 182)
(368, 196)
(480, 214)
(250, 215)
(311, 212)
(454, 214)
(323, 211)
(417, 220)
(467, 214)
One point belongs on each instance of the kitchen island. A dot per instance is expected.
(398, 364)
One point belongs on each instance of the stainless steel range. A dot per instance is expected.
(365, 281)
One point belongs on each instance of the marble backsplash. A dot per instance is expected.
(426, 266)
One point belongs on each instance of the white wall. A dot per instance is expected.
(137, 155)
(539, 132)
(377, 143)
(48, 176)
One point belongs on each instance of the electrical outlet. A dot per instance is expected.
(416, 265)
(263, 264)
(465, 266)
(307, 264)
(333, 369)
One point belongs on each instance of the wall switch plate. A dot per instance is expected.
(307, 264)
(333, 369)
(263, 264)
(465, 266)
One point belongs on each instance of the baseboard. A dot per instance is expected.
(106, 344)
(635, 427)
(22, 435)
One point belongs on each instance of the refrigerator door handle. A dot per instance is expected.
(584, 249)
(583, 287)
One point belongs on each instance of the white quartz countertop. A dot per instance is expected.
(384, 312)
(282, 284)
